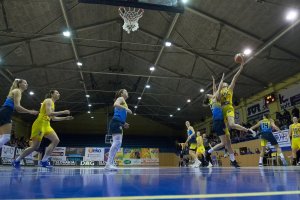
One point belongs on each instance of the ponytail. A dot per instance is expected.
(15, 85)
(49, 94)
(119, 93)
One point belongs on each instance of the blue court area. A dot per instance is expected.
(151, 183)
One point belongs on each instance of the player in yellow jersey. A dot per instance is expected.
(294, 132)
(41, 128)
(226, 102)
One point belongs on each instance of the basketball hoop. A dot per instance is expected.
(131, 18)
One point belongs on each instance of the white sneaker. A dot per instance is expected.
(110, 168)
(196, 164)
(209, 165)
(298, 164)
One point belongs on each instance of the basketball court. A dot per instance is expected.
(163, 53)
(151, 183)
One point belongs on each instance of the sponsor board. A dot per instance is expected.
(7, 152)
(58, 158)
(75, 152)
(94, 154)
(64, 163)
(59, 151)
(283, 140)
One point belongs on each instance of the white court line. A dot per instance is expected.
(192, 196)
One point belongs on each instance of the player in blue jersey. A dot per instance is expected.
(266, 125)
(116, 125)
(12, 103)
(191, 141)
(219, 126)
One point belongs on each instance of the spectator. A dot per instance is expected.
(295, 112)
(257, 151)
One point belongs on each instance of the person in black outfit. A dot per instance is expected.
(295, 112)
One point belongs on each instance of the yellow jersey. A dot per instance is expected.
(43, 114)
(199, 141)
(295, 130)
(226, 96)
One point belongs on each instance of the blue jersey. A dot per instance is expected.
(216, 110)
(120, 113)
(193, 139)
(9, 102)
(265, 126)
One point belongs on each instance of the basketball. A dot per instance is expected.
(239, 58)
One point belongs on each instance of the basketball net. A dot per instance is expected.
(131, 18)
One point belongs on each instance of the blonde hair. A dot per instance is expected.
(16, 84)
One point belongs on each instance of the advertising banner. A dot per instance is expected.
(150, 156)
(132, 156)
(59, 151)
(94, 154)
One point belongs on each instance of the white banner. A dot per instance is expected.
(94, 154)
(289, 97)
(58, 158)
(59, 151)
(7, 152)
(19, 151)
(283, 140)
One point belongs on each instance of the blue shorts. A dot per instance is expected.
(219, 127)
(269, 137)
(5, 115)
(115, 127)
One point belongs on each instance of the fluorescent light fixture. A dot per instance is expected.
(147, 86)
(168, 44)
(67, 33)
(247, 51)
(152, 68)
(79, 64)
(291, 15)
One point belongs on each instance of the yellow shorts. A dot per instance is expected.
(200, 149)
(227, 131)
(263, 142)
(193, 146)
(40, 128)
(228, 111)
(296, 143)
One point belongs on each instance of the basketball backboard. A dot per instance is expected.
(164, 5)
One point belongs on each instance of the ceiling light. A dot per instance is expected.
(188, 100)
(152, 68)
(247, 51)
(89, 112)
(291, 15)
(92, 117)
(135, 106)
(79, 64)
(67, 33)
(90, 105)
(87, 96)
(171, 115)
(201, 90)
(134, 113)
(139, 98)
(147, 86)
(168, 44)
(31, 93)
(178, 109)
